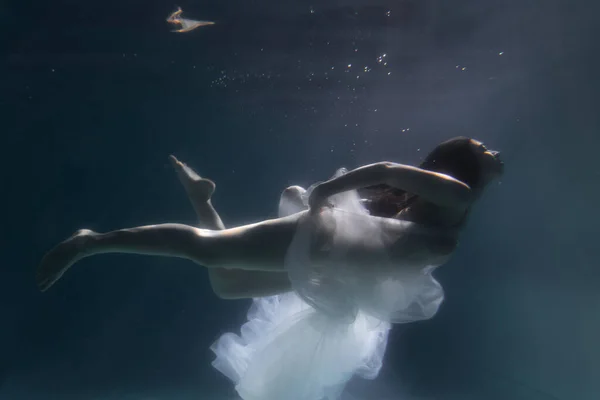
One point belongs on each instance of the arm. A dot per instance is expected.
(436, 188)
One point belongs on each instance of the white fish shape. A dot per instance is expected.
(185, 24)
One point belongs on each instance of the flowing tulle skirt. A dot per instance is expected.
(307, 344)
(288, 350)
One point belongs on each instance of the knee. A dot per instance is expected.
(224, 294)
(195, 244)
(223, 283)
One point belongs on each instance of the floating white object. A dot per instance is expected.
(185, 24)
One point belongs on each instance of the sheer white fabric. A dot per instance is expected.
(307, 344)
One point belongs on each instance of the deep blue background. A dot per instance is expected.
(95, 95)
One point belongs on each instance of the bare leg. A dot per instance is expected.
(256, 247)
(226, 283)
(199, 191)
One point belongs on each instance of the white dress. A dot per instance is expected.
(307, 344)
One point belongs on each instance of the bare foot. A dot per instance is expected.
(58, 260)
(197, 187)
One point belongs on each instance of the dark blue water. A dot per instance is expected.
(95, 95)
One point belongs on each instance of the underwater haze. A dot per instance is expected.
(95, 95)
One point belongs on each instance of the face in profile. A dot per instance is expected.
(492, 166)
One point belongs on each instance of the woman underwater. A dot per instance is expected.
(343, 261)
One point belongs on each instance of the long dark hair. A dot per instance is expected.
(454, 157)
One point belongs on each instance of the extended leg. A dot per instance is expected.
(226, 283)
(256, 247)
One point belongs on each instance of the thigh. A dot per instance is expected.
(241, 284)
(256, 247)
